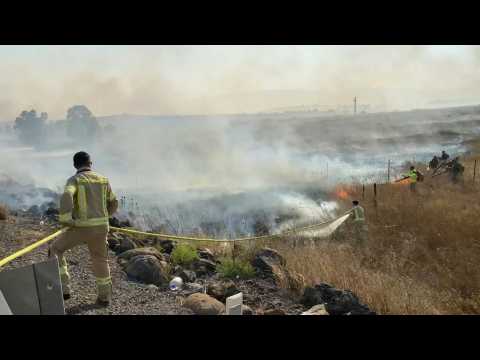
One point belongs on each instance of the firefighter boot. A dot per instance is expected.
(64, 279)
(104, 289)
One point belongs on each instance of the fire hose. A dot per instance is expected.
(35, 245)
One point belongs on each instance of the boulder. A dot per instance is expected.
(124, 244)
(265, 258)
(203, 267)
(203, 304)
(207, 254)
(34, 211)
(337, 302)
(147, 269)
(222, 289)
(51, 212)
(113, 240)
(166, 245)
(247, 310)
(115, 222)
(316, 310)
(274, 312)
(127, 255)
(269, 264)
(192, 288)
(188, 276)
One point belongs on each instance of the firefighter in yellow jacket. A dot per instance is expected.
(85, 206)
(360, 227)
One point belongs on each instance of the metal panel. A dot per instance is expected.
(20, 290)
(4, 308)
(234, 304)
(49, 287)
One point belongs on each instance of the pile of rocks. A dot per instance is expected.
(275, 290)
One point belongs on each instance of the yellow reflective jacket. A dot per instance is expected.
(87, 200)
(358, 214)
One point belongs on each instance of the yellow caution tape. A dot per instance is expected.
(172, 237)
(31, 247)
(188, 238)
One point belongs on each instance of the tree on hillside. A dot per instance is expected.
(81, 124)
(31, 128)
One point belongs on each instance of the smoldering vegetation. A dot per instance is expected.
(229, 176)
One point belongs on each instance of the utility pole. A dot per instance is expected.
(388, 172)
(355, 105)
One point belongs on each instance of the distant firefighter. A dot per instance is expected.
(413, 176)
(433, 164)
(359, 225)
(456, 170)
(444, 156)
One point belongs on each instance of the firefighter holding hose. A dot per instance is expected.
(360, 227)
(85, 206)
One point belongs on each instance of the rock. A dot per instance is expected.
(274, 312)
(192, 288)
(51, 212)
(113, 241)
(222, 290)
(188, 276)
(34, 210)
(337, 302)
(148, 269)
(265, 257)
(166, 257)
(247, 310)
(166, 245)
(206, 254)
(203, 267)
(203, 304)
(124, 244)
(125, 223)
(113, 221)
(127, 255)
(269, 264)
(122, 263)
(316, 310)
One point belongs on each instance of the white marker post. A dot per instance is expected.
(234, 304)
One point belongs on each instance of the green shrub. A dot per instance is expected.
(231, 269)
(184, 254)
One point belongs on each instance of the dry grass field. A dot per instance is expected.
(423, 251)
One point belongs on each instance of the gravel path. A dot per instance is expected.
(128, 297)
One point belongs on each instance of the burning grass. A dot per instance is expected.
(421, 257)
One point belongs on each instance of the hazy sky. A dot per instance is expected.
(231, 79)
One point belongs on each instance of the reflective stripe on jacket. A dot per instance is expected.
(87, 200)
(358, 214)
(412, 174)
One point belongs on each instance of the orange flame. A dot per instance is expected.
(341, 194)
(402, 182)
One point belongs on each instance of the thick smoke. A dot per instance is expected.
(234, 79)
(224, 176)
